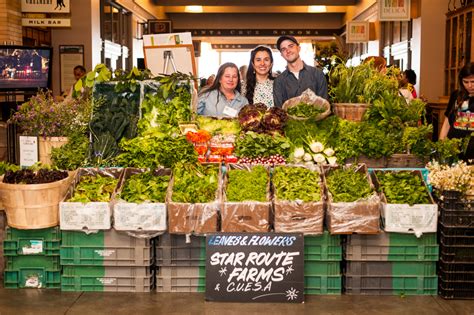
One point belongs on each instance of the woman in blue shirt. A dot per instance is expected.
(223, 97)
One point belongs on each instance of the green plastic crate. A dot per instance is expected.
(322, 268)
(32, 278)
(323, 239)
(322, 285)
(322, 252)
(392, 253)
(77, 238)
(181, 279)
(391, 268)
(32, 242)
(44, 262)
(107, 284)
(391, 285)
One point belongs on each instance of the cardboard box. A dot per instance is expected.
(405, 218)
(146, 216)
(90, 215)
(362, 217)
(248, 216)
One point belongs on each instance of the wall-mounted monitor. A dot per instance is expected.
(25, 68)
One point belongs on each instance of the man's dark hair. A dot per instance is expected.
(410, 75)
(79, 67)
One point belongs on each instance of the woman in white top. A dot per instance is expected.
(258, 87)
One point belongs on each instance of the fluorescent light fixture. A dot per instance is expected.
(193, 9)
(316, 8)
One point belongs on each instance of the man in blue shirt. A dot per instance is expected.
(298, 76)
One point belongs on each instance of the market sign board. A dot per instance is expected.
(394, 10)
(46, 22)
(358, 32)
(255, 267)
(45, 6)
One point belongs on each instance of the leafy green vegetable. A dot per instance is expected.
(195, 183)
(73, 154)
(94, 189)
(348, 185)
(145, 187)
(304, 110)
(218, 126)
(5, 166)
(446, 151)
(403, 187)
(326, 131)
(154, 149)
(254, 145)
(416, 140)
(244, 185)
(296, 183)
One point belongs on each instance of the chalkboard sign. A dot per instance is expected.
(255, 267)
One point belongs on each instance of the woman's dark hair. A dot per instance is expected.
(216, 84)
(465, 72)
(410, 75)
(251, 79)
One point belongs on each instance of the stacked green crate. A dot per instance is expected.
(322, 264)
(3, 222)
(181, 263)
(391, 264)
(32, 258)
(106, 261)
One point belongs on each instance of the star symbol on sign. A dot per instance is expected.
(223, 271)
(289, 269)
(292, 294)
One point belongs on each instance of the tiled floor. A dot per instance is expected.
(56, 302)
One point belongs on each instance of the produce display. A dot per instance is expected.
(403, 187)
(145, 187)
(296, 183)
(28, 176)
(304, 110)
(218, 126)
(247, 184)
(256, 145)
(195, 184)
(348, 185)
(260, 119)
(94, 189)
(5, 166)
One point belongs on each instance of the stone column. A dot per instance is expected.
(10, 22)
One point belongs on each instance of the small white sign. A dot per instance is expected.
(417, 219)
(46, 6)
(28, 150)
(358, 32)
(46, 22)
(84, 216)
(140, 217)
(36, 247)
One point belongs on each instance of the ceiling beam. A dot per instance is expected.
(253, 2)
(254, 9)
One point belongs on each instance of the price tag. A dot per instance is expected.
(229, 111)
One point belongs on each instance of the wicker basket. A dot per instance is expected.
(46, 145)
(350, 111)
(405, 160)
(34, 206)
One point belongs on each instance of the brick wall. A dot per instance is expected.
(10, 22)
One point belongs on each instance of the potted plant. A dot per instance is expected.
(354, 88)
(51, 121)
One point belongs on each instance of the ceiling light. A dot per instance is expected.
(193, 9)
(316, 8)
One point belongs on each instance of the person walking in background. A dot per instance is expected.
(298, 76)
(222, 98)
(78, 71)
(409, 81)
(258, 86)
(459, 120)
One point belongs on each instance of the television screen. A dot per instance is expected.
(25, 68)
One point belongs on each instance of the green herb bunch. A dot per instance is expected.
(253, 145)
(245, 185)
(296, 183)
(94, 189)
(195, 183)
(304, 110)
(145, 187)
(73, 154)
(403, 187)
(348, 185)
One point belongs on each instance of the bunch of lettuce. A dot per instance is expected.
(257, 118)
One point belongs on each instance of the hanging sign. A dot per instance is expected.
(398, 10)
(255, 267)
(357, 32)
(46, 6)
(46, 22)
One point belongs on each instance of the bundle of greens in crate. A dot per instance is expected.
(246, 199)
(353, 205)
(140, 203)
(88, 205)
(193, 199)
(298, 202)
(407, 204)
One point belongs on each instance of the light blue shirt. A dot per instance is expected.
(213, 103)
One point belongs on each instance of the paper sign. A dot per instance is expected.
(28, 150)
